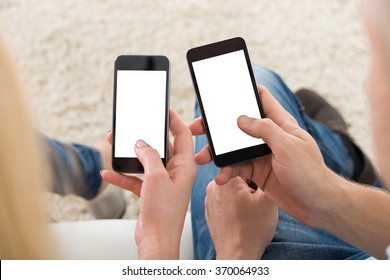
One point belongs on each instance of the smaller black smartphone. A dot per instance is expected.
(225, 88)
(140, 109)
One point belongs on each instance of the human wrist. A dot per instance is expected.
(333, 196)
(238, 256)
(238, 252)
(159, 248)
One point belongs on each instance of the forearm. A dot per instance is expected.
(357, 214)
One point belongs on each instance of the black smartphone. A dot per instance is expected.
(141, 109)
(225, 88)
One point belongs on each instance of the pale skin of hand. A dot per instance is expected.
(164, 193)
(241, 221)
(280, 173)
(296, 178)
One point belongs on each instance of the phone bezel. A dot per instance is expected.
(212, 50)
(147, 63)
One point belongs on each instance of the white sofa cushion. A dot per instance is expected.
(107, 239)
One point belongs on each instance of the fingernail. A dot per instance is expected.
(140, 144)
(244, 119)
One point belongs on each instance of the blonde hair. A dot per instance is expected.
(24, 232)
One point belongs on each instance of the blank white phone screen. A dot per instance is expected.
(140, 110)
(226, 91)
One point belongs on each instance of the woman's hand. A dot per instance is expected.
(164, 193)
(242, 221)
(294, 175)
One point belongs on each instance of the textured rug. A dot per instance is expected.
(65, 52)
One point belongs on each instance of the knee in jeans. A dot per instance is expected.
(263, 74)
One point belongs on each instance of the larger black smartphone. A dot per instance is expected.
(141, 108)
(225, 88)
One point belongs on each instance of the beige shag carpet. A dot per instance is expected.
(65, 52)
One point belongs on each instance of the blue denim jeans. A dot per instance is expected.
(292, 239)
(75, 168)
